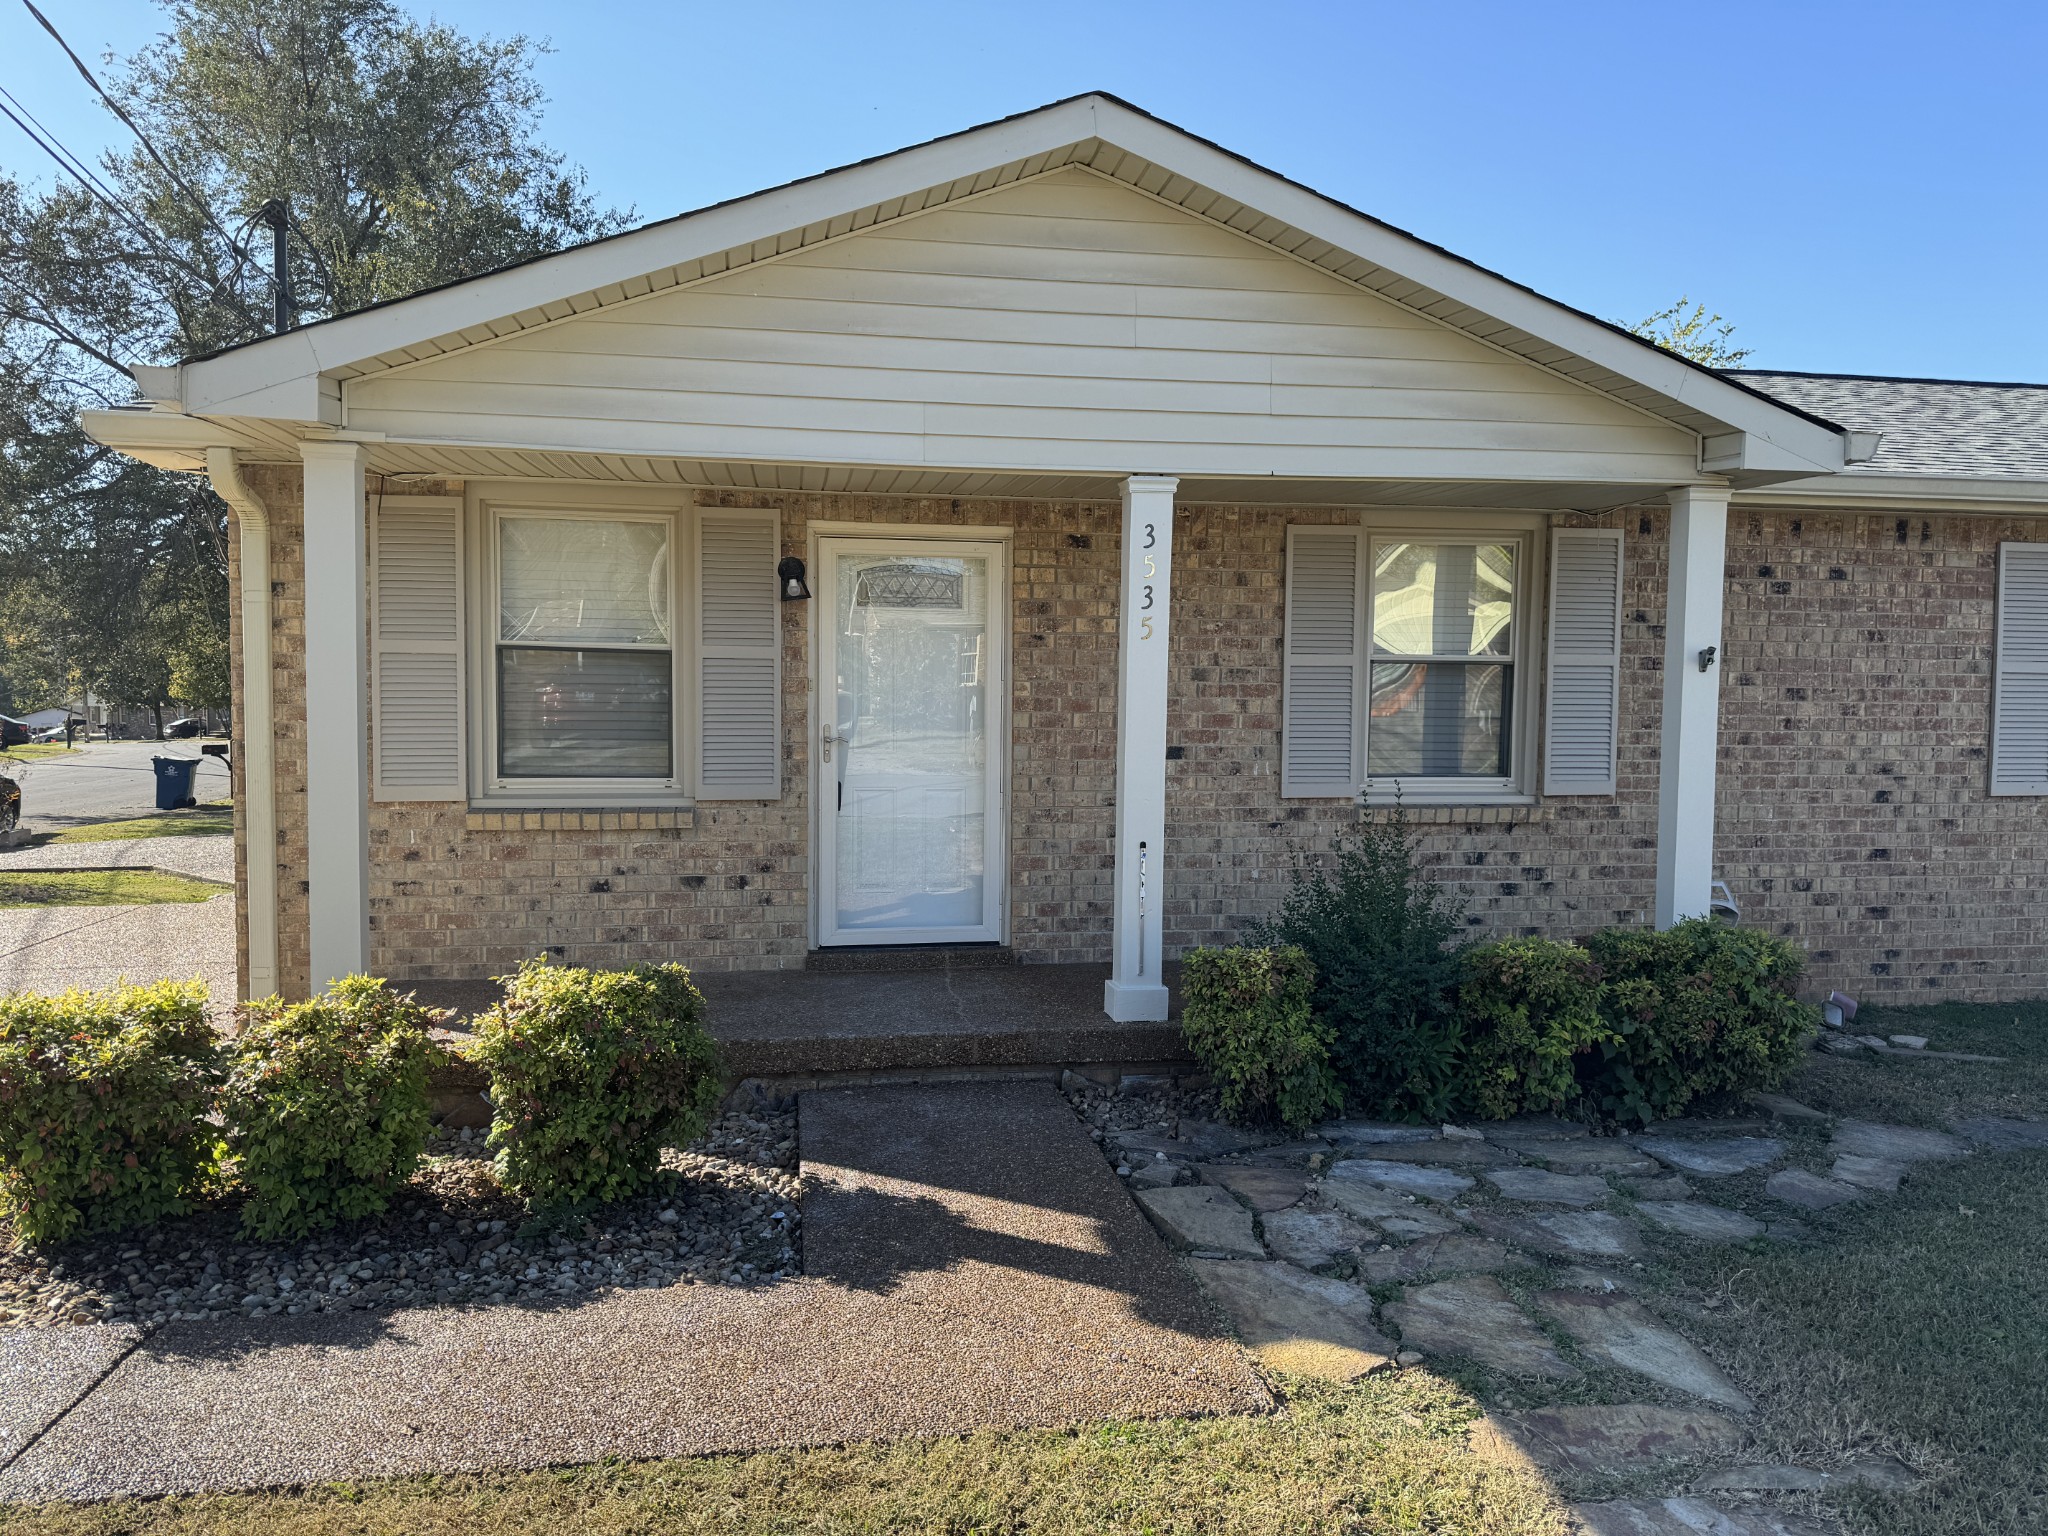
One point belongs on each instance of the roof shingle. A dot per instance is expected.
(1931, 426)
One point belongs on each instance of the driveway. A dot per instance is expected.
(108, 781)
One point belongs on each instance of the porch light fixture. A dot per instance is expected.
(791, 573)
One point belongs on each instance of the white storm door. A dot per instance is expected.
(909, 705)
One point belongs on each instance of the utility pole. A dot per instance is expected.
(274, 214)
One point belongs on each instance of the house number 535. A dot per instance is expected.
(1151, 572)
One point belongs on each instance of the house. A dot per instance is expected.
(1029, 537)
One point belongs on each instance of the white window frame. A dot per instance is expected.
(1525, 533)
(488, 508)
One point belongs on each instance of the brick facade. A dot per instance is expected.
(1852, 809)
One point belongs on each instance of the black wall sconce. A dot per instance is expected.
(791, 574)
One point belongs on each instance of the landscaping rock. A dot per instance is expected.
(1712, 1157)
(1157, 1174)
(1788, 1110)
(1307, 1324)
(1690, 1517)
(1534, 1128)
(1809, 1191)
(1895, 1143)
(1909, 1042)
(1590, 1156)
(1589, 1277)
(1619, 1332)
(1872, 1173)
(1373, 1133)
(1445, 1153)
(1203, 1219)
(1434, 1183)
(725, 1212)
(1291, 1154)
(1455, 1253)
(1550, 1188)
(1615, 1439)
(1994, 1134)
(1472, 1318)
(1672, 1188)
(1263, 1189)
(1694, 1218)
(1314, 1238)
(1188, 1139)
(1397, 1216)
(1564, 1234)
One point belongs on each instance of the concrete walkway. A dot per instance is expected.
(47, 949)
(970, 1263)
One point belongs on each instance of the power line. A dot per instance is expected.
(142, 138)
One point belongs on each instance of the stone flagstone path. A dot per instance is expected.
(1365, 1243)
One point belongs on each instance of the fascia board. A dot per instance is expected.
(1932, 493)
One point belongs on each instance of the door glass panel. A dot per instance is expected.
(910, 766)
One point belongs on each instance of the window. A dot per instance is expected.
(1443, 628)
(584, 670)
(1406, 661)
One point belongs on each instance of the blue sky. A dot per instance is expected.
(1860, 187)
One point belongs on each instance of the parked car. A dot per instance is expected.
(10, 805)
(13, 732)
(48, 733)
(182, 730)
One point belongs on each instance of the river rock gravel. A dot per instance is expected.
(726, 1212)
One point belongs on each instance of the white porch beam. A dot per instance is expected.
(337, 711)
(1135, 990)
(1692, 702)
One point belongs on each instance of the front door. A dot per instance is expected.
(910, 696)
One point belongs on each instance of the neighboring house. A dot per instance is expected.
(1030, 537)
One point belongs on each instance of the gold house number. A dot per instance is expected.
(1151, 570)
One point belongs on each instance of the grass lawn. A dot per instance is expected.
(101, 888)
(1386, 1454)
(198, 821)
(30, 752)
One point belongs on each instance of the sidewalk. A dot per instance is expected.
(971, 1263)
(47, 949)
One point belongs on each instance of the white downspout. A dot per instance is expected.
(259, 785)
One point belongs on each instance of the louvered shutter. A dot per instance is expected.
(2019, 696)
(417, 720)
(1583, 682)
(739, 692)
(1323, 669)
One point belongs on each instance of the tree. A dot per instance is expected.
(1695, 334)
(406, 155)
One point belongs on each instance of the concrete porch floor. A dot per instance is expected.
(818, 1023)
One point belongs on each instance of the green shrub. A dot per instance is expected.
(103, 1105)
(1699, 1010)
(1530, 1008)
(1382, 937)
(326, 1104)
(1246, 1015)
(592, 1074)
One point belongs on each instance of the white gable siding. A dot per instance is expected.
(1063, 323)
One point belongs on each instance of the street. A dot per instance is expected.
(108, 781)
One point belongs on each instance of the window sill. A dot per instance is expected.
(489, 817)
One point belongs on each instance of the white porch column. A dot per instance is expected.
(1135, 990)
(337, 711)
(1692, 702)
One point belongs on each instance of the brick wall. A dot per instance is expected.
(1852, 809)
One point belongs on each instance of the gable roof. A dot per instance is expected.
(1931, 426)
(298, 376)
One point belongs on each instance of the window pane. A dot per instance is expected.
(583, 579)
(1442, 599)
(584, 714)
(1439, 720)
